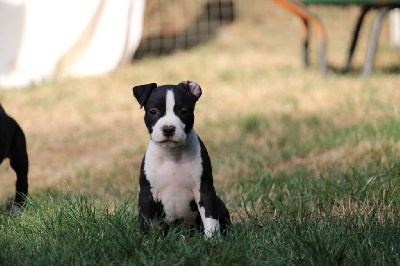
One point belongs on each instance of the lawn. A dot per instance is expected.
(308, 167)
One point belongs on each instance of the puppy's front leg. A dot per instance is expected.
(209, 213)
(147, 205)
(145, 209)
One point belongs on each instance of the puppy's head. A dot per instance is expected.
(169, 111)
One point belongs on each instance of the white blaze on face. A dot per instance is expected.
(170, 103)
(169, 119)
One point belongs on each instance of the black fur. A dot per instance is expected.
(13, 146)
(184, 107)
(153, 99)
(142, 92)
(213, 205)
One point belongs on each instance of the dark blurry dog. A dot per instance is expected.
(13, 146)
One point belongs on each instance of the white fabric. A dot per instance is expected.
(395, 27)
(41, 38)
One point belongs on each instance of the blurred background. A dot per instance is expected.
(261, 110)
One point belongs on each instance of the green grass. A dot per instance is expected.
(285, 218)
(296, 216)
(289, 205)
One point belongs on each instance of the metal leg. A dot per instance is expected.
(322, 50)
(302, 11)
(369, 62)
(356, 32)
(306, 43)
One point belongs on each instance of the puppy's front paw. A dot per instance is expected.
(212, 235)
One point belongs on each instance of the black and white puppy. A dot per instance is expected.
(13, 146)
(176, 181)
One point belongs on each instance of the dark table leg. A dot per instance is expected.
(356, 32)
(306, 43)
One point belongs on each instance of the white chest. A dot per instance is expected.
(174, 177)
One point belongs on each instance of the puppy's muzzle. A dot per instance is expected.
(168, 130)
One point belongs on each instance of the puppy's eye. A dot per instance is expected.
(153, 112)
(184, 112)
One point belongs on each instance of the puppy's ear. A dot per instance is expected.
(142, 92)
(192, 87)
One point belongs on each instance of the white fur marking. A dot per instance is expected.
(211, 225)
(174, 175)
(170, 103)
(169, 119)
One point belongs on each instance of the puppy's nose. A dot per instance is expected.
(168, 130)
